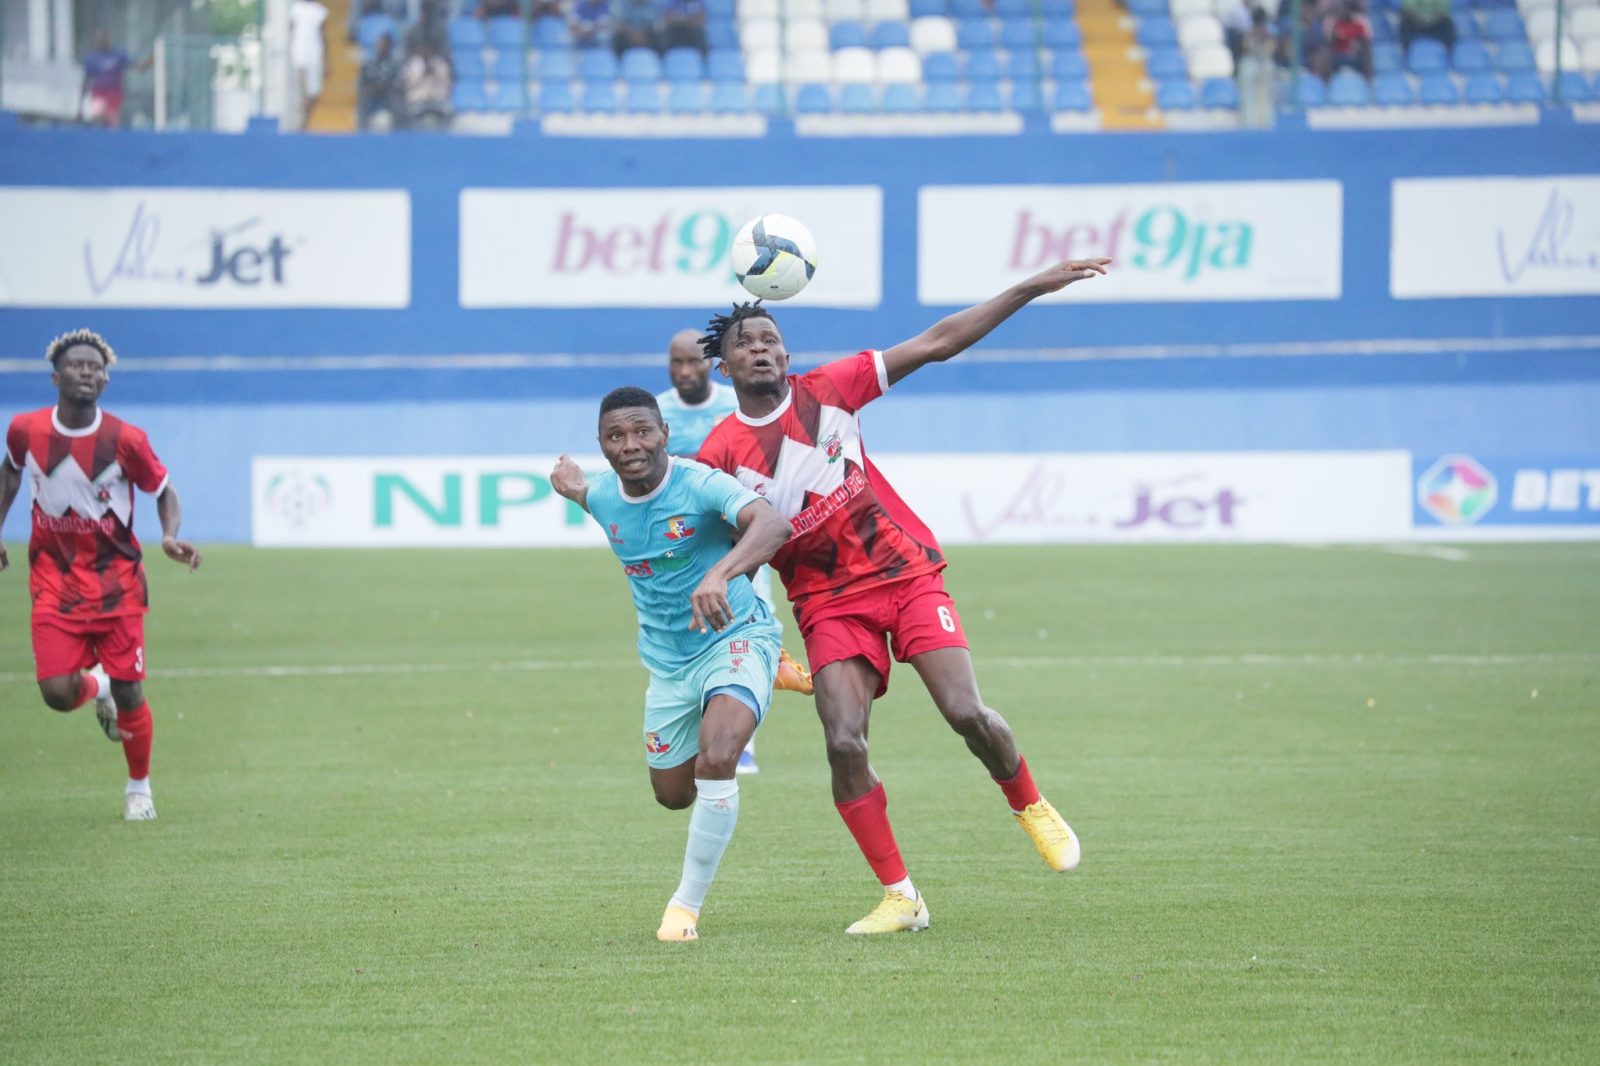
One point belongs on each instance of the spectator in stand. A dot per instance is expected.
(1349, 37)
(590, 23)
(497, 9)
(683, 25)
(1235, 19)
(549, 9)
(307, 51)
(382, 87)
(1258, 54)
(427, 86)
(103, 70)
(430, 29)
(638, 24)
(1426, 18)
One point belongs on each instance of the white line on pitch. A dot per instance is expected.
(1423, 551)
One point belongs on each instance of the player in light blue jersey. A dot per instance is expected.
(711, 646)
(691, 408)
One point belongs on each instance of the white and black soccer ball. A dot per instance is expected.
(773, 256)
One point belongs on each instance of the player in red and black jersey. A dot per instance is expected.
(85, 573)
(863, 571)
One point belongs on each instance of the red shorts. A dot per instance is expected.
(906, 617)
(61, 646)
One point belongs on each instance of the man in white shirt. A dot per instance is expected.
(307, 50)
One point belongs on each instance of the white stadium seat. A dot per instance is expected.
(933, 33)
(842, 10)
(758, 9)
(759, 34)
(1209, 61)
(888, 10)
(802, 9)
(1199, 29)
(1584, 24)
(1541, 24)
(811, 65)
(1544, 56)
(900, 65)
(1180, 8)
(805, 35)
(763, 65)
(855, 64)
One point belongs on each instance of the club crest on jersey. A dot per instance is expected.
(738, 647)
(103, 494)
(654, 744)
(613, 534)
(678, 528)
(833, 446)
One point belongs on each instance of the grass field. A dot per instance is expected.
(1339, 804)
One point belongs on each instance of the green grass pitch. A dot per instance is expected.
(1336, 804)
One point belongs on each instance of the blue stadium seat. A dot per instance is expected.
(1387, 58)
(1066, 66)
(1019, 33)
(557, 65)
(981, 65)
(847, 35)
(943, 96)
(890, 35)
(1164, 63)
(1156, 33)
(1392, 90)
(1026, 97)
(1438, 88)
(1312, 90)
(1146, 8)
(1484, 88)
(968, 9)
(1073, 96)
(1470, 57)
(505, 33)
(1014, 9)
(974, 33)
(939, 66)
(1349, 89)
(470, 96)
(721, 9)
(510, 66)
(722, 35)
(467, 33)
(1062, 33)
(1427, 56)
(597, 65)
(813, 99)
(555, 97)
(725, 66)
(600, 97)
(644, 98)
(551, 32)
(1022, 66)
(372, 27)
(1058, 9)
(1382, 27)
(467, 65)
(641, 64)
(984, 97)
(729, 98)
(1525, 87)
(1466, 26)
(1575, 88)
(1504, 25)
(769, 99)
(510, 96)
(928, 8)
(1176, 96)
(1219, 92)
(683, 64)
(902, 99)
(857, 99)
(1514, 57)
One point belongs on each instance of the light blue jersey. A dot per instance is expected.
(690, 424)
(666, 542)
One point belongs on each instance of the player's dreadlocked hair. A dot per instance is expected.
(629, 396)
(719, 325)
(59, 346)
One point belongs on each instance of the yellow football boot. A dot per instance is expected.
(893, 914)
(678, 925)
(792, 677)
(1050, 834)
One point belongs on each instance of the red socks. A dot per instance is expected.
(88, 689)
(137, 730)
(868, 820)
(1019, 787)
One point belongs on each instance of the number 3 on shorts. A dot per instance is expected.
(946, 619)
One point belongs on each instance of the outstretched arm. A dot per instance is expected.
(179, 551)
(568, 480)
(953, 335)
(762, 531)
(10, 482)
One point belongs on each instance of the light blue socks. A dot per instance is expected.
(716, 812)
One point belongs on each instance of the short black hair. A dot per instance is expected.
(85, 337)
(719, 325)
(629, 396)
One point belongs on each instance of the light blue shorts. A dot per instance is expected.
(673, 706)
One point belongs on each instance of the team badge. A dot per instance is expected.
(833, 446)
(678, 528)
(614, 538)
(654, 744)
(738, 647)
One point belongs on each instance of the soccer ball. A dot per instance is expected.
(773, 256)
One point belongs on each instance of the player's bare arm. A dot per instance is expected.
(171, 512)
(762, 531)
(568, 480)
(956, 333)
(10, 482)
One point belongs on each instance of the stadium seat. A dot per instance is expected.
(682, 64)
(902, 98)
(1022, 66)
(1156, 33)
(805, 35)
(597, 64)
(968, 9)
(975, 33)
(1219, 92)
(1197, 30)
(1525, 87)
(1466, 26)
(843, 10)
(641, 64)
(899, 65)
(729, 98)
(928, 9)
(769, 99)
(1181, 8)
(760, 9)
(505, 33)
(1026, 97)
(933, 35)
(1504, 25)
(1438, 88)
(509, 96)
(470, 96)
(1073, 96)
(600, 97)
(1349, 89)
(1584, 23)
(1575, 88)
(509, 66)
(722, 36)
(942, 97)
(1545, 55)
(1310, 90)
(468, 65)
(1387, 58)
(1062, 33)
(764, 67)
(1484, 88)
(725, 66)
(983, 65)
(756, 35)
(644, 98)
(1392, 90)
(1165, 63)
(984, 97)
(803, 9)
(813, 99)
(371, 29)
(721, 9)
(1427, 56)
(1058, 9)
(468, 33)
(1144, 8)
(1014, 9)
(555, 97)
(1019, 34)
(847, 35)
(890, 35)
(1176, 96)
(802, 67)
(1470, 57)
(1514, 57)
(1210, 61)
(858, 99)
(1541, 24)
(1069, 66)
(940, 66)
(855, 65)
